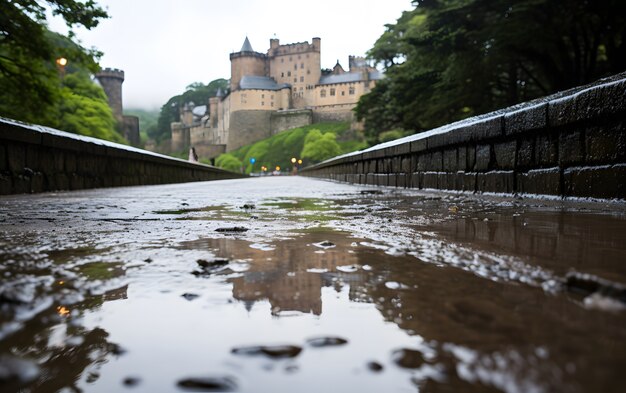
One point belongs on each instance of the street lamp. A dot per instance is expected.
(61, 63)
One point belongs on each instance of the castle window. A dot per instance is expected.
(308, 72)
(343, 93)
(295, 66)
(288, 73)
(301, 65)
(262, 95)
(301, 79)
(272, 96)
(262, 103)
(282, 74)
(351, 90)
(323, 93)
(295, 80)
(272, 104)
(332, 92)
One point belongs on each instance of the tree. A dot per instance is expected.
(319, 147)
(29, 81)
(449, 59)
(229, 162)
(84, 109)
(197, 93)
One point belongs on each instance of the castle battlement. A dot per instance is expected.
(111, 73)
(236, 55)
(294, 48)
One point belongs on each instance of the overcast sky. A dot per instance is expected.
(165, 45)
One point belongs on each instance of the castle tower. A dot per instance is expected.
(111, 80)
(246, 62)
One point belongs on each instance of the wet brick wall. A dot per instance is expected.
(572, 143)
(37, 159)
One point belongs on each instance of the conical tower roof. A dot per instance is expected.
(246, 46)
(220, 92)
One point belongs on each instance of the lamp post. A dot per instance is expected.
(61, 63)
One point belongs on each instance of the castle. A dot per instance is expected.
(272, 92)
(111, 80)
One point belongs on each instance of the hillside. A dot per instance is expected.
(322, 141)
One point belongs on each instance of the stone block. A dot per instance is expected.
(419, 145)
(430, 180)
(595, 101)
(526, 119)
(546, 150)
(526, 153)
(450, 160)
(608, 181)
(491, 127)
(606, 144)
(471, 157)
(423, 161)
(505, 154)
(416, 180)
(6, 185)
(496, 182)
(16, 157)
(70, 163)
(3, 158)
(21, 184)
(571, 148)
(20, 133)
(540, 182)
(436, 161)
(483, 157)
(462, 158)
(469, 182)
(37, 183)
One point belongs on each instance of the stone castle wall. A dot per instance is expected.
(286, 120)
(247, 127)
(572, 143)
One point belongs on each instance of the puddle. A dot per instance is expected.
(396, 291)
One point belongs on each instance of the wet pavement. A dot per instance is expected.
(292, 284)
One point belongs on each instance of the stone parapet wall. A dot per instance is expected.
(572, 143)
(38, 159)
(287, 120)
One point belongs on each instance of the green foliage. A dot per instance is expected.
(280, 148)
(319, 147)
(450, 59)
(197, 93)
(391, 135)
(84, 109)
(29, 80)
(228, 162)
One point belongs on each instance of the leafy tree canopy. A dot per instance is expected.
(446, 60)
(29, 80)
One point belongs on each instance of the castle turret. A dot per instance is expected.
(111, 80)
(246, 62)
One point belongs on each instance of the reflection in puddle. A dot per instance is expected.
(356, 290)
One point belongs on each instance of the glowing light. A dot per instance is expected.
(293, 160)
(62, 311)
(299, 162)
(61, 282)
(62, 61)
(277, 168)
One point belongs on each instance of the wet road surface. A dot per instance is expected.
(292, 284)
